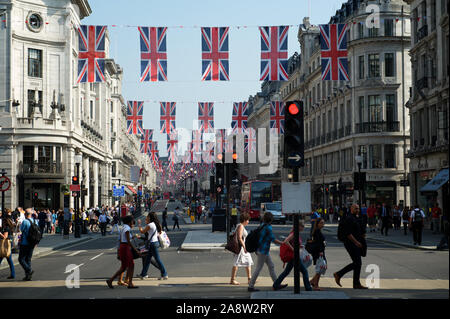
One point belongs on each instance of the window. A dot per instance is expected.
(374, 65)
(389, 27)
(342, 116)
(113, 169)
(28, 154)
(361, 67)
(389, 64)
(348, 159)
(32, 100)
(91, 109)
(360, 30)
(45, 154)
(362, 113)
(349, 112)
(112, 107)
(390, 108)
(363, 151)
(58, 154)
(373, 32)
(81, 108)
(375, 109)
(389, 156)
(112, 125)
(35, 63)
(375, 160)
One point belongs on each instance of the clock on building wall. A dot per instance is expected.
(34, 22)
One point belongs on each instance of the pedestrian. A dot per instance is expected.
(397, 215)
(115, 223)
(263, 252)
(6, 234)
(371, 218)
(416, 222)
(153, 228)
(124, 254)
(164, 220)
(42, 216)
(319, 249)
(54, 218)
(199, 212)
(290, 264)
(26, 248)
(244, 258)
(48, 222)
(103, 220)
(234, 213)
(385, 219)
(354, 239)
(316, 215)
(405, 219)
(436, 218)
(175, 218)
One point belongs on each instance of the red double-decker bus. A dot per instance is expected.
(253, 193)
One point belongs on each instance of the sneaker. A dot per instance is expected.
(143, 277)
(163, 278)
(280, 287)
(10, 277)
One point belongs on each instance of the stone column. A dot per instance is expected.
(85, 179)
(95, 203)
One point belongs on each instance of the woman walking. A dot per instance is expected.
(6, 232)
(153, 228)
(175, 218)
(405, 220)
(125, 254)
(287, 270)
(243, 259)
(319, 249)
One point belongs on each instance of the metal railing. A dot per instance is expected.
(42, 168)
(348, 130)
(422, 32)
(375, 127)
(341, 132)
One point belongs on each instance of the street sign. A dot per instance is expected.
(404, 182)
(75, 194)
(295, 159)
(5, 183)
(296, 198)
(118, 191)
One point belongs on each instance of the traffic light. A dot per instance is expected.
(35, 195)
(220, 171)
(293, 135)
(234, 169)
(75, 180)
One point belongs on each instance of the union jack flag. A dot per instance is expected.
(146, 141)
(208, 153)
(135, 112)
(250, 140)
(277, 117)
(239, 117)
(172, 146)
(155, 154)
(333, 44)
(91, 55)
(197, 141)
(167, 117)
(206, 117)
(274, 53)
(153, 54)
(215, 64)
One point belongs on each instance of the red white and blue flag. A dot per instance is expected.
(250, 140)
(135, 112)
(206, 117)
(215, 63)
(146, 141)
(91, 54)
(153, 54)
(197, 141)
(333, 44)
(277, 117)
(154, 154)
(274, 53)
(239, 117)
(172, 146)
(167, 119)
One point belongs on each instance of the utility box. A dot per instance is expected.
(219, 221)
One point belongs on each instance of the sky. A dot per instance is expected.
(184, 85)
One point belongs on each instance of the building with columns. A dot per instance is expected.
(364, 116)
(47, 118)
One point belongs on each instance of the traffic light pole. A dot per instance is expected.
(296, 243)
(77, 207)
(227, 182)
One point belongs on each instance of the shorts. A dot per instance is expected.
(126, 256)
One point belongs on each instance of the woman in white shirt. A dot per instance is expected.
(153, 228)
(243, 259)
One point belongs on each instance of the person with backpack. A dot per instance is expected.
(243, 259)
(417, 223)
(31, 236)
(289, 241)
(405, 219)
(265, 238)
(351, 233)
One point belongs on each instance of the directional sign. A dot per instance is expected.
(118, 191)
(295, 159)
(5, 183)
(404, 182)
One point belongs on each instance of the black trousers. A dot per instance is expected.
(355, 255)
(103, 228)
(405, 228)
(385, 225)
(175, 223)
(417, 228)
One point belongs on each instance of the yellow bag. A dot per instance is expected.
(5, 248)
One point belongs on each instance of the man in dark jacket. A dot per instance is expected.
(355, 245)
(385, 214)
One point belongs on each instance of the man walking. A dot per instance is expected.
(353, 234)
(26, 248)
(385, 219)
(103, 219)
(164, 220)
(416, 222)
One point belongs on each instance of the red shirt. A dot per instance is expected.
(436, 212)
(371, 212)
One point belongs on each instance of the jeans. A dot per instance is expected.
(25, 254)
(11, 265)
(287, 271)
(164, 224)
(115, 226)
(436, 226)
(261, 260)
(48, 227)
(153, 252)
(417, 228)
(405, 227)
(355, 255)
(103, 228)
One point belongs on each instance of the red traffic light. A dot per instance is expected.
(219, 157)
(293, 109)
(74, 180)
(235, 156)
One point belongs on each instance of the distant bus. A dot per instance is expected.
(253, 193)
(167, 195)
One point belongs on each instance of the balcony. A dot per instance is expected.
(422, 32)
(317, 142)
(328, 137)
(377, 127)
(341, 132)
(42, 169)
(348, 130)
(322, 139)
(334, 135)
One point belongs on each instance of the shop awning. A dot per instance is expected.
(130, 190)
(440, 179)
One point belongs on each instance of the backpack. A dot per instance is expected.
(34, 234)
(252, 240)
(418, 216)
(405, 215)
(340, 231)
(286, 253)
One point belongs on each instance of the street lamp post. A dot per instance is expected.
(359, 161)
(78, 159)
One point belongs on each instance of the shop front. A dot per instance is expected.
(380, 192)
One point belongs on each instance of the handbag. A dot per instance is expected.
(164, 241)
(233, 244)
(5, 248)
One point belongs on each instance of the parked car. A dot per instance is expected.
(275, 209)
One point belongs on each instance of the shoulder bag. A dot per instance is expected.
(5, 248)
(233, 244)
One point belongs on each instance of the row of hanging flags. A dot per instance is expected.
(215, 53)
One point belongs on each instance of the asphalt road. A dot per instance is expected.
(404, 273)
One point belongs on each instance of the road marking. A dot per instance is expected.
(76, 253)
(96, 256)
(68, 271)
